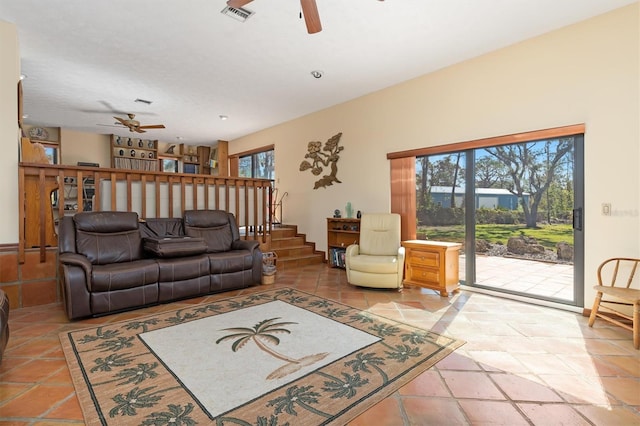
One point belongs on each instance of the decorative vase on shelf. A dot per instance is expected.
(349, 210)
(359, 214)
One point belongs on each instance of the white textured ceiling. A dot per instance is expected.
(85, 59)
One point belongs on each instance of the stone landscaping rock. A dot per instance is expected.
(564, 251)
(517, 245)
(482, 246)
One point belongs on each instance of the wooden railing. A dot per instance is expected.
(48, 192)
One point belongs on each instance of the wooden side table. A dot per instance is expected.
(432, 264)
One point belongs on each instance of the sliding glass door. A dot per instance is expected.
(440, 199)
(517, 209)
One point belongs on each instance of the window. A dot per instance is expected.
(169, 165)
(51, 151)
(258, 165)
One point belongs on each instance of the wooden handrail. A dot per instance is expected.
(150, 194)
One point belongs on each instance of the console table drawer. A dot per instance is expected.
(431, 259)
(423, 275)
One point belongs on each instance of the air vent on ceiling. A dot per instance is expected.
(237, 13)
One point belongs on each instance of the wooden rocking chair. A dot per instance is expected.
(615, 279)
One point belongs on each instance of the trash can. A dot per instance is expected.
(269, 267)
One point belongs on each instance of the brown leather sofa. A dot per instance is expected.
(111, 261)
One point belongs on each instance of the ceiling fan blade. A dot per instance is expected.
(110, 108)
(311, 16)
(152, 126)
(137, 129)
(122, 120)
(238, 3)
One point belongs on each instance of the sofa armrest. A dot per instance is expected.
(250, 245)
(75, 278)
(352, 250)
(76, 260)
(401, 251)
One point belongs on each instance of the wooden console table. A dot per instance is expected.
(432, 264)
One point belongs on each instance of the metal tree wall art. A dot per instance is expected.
(318, 159)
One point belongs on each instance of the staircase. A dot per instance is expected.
(292, 249)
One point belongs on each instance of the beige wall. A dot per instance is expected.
(9, 132)
(585, 73)
(85, 147)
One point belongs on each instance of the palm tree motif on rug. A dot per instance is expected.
(263, 334)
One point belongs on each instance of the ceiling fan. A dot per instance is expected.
(134, 125)
(309, 10)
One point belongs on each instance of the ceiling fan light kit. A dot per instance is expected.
(134, 125)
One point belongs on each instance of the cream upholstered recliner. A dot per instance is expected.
(378, 260)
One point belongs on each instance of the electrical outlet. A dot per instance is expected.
(606, 209)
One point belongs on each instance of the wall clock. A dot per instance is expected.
(38, 133)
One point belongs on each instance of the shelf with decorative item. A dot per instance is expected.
(169, 150)
(190, 159)
(341, 232)
(134, 153)
(189, 154)
(172, 156)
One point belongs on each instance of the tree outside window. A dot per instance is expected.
(259, 165)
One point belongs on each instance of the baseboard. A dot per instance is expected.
(8, 247)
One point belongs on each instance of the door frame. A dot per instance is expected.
(578, 228)
(403, 184)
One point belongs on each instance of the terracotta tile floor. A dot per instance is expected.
(522, 364)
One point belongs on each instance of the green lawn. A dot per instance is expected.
(547, 235)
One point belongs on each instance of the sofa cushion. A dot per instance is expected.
(380, 234)
(374, 264)
(183, 268)
(160, 227)
(231, 261)
(106, 222)
(213, 226)
(108, 237)
(118, 276)
(171, 246)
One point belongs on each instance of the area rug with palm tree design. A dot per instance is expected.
(274, 358)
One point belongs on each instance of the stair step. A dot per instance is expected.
(297, 261)
(283, 232)
(287, 242)
(293, 249)
(302, 250)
